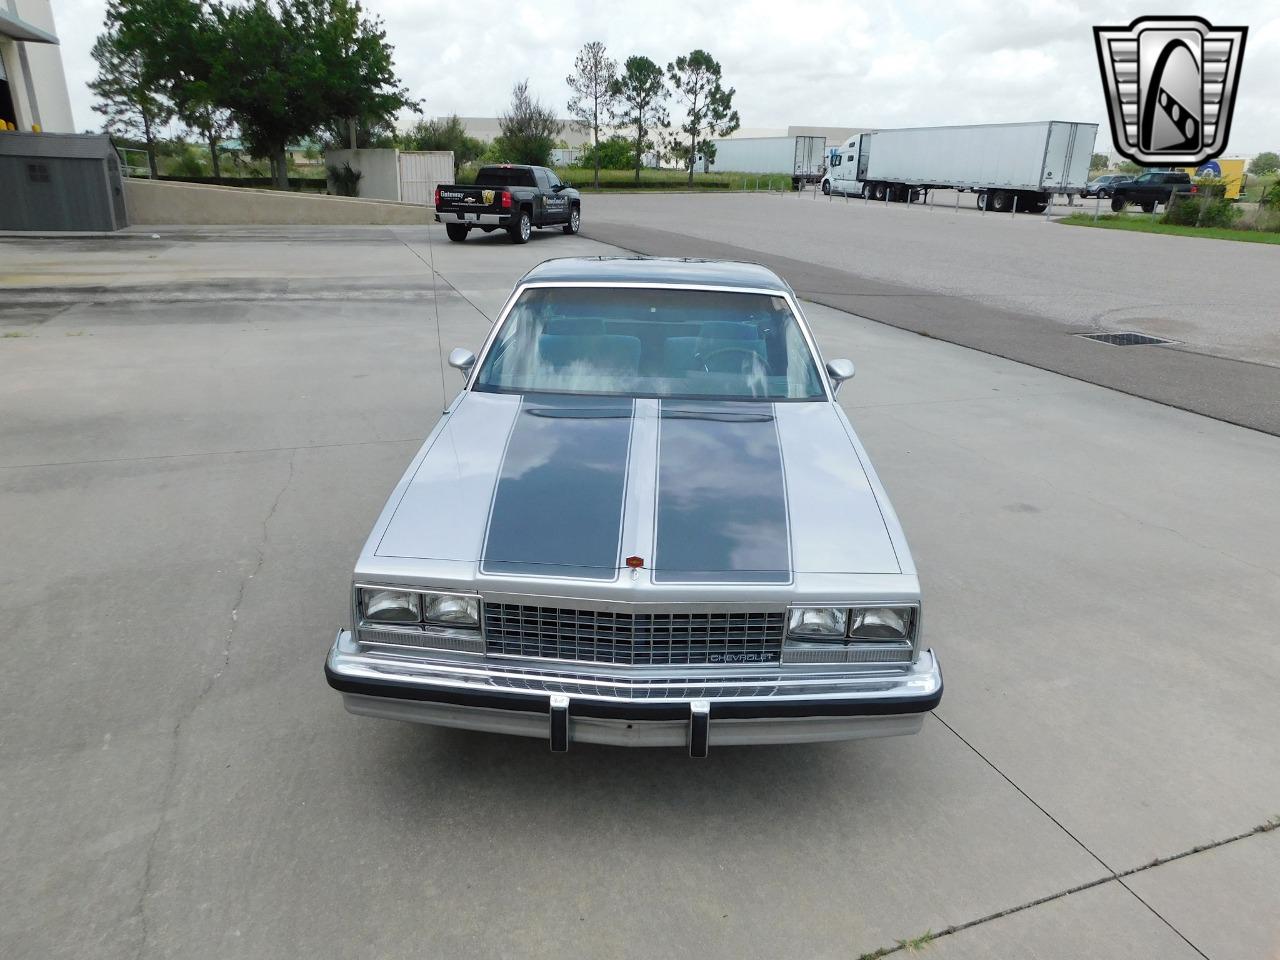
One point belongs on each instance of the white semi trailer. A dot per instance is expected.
(803, 159)
(1003, 163)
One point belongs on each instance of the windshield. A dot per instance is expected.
(641, 342)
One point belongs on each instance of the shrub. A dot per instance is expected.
(1201, 211)
(345, 180)
(616, 153)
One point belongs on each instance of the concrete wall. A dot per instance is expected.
(154, 201)
(381, 169)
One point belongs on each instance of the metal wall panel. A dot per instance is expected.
(60, 182)
(55, 193)
(421, 171)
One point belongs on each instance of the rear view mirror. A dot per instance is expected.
(462, 359)
(839, 371)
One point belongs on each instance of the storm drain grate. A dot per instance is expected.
(1125, 339)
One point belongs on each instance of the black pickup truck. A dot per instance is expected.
(511, 197)
(1155, 186)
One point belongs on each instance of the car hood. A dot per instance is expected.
(702, 491)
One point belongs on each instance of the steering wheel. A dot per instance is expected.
(706, 358)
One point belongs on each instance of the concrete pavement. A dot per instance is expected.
(186, 478)
(1020, 288)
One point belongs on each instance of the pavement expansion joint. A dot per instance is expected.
(436, 274)
(1113, 876)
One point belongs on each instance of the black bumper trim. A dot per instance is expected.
(638, 709)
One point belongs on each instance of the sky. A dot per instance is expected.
(848, 63)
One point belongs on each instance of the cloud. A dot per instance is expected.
(823, 62)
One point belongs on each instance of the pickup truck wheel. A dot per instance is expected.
(575, 220)
(456, 231)
(1149, 207)
(521, 229)
(1117, 204)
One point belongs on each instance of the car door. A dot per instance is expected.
(848, 166)
(1146, 187)
(557, 200)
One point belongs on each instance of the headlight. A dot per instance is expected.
(390, 606)
(407, 607)
(451, 610)
(818, 623)
(838, 624)
(881, 623)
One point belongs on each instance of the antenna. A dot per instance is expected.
(435, 304)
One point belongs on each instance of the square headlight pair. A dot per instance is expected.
(839, 624)
(411, 607)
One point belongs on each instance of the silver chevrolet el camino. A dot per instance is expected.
(645, 520)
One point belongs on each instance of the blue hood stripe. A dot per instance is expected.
(558, 504)
(722, 495)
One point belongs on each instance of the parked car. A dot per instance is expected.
(1101, 186)
(645, 520)
(1151, 188)
(511, 197)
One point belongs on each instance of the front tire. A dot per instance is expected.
(826, 187)
(522, 228)
(456, 231)
(575, 220)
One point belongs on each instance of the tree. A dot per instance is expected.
(708, 106)
(593, 96)
(282, 68)
(214, 125)
(443, 133)
(529, 130)
(615, 153)
(1264, 163)
(129, 100)
(640, 94)
(1099, 161)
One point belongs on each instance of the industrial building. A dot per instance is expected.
(33, 87)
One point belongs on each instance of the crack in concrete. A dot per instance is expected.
(171, 773)
(1112, 875)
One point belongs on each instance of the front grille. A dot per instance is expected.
(633, 639)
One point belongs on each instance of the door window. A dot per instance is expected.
(541, 176)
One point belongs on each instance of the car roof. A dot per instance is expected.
(672, 270)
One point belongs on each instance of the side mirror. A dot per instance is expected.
(460, 358)
(839, 371)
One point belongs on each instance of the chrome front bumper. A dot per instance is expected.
(591, 704)
(475, 219)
